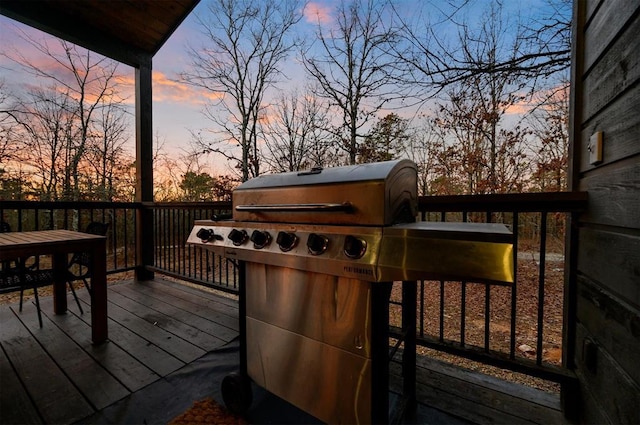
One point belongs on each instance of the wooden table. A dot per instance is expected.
(58, 244)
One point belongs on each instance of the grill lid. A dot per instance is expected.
(377, 194)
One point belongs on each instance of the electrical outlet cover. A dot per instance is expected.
(595, 148)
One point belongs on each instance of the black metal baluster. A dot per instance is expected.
(165, 243)
(422, 318)
(463, 299)
(125, 237)
(543, 248)
(114, 236)
(487, 305)
(182, 217)
(172, 244)
(441, 310)
(443, 218)
(158, 234)
(514, 288)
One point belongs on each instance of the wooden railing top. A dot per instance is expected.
(535, 201)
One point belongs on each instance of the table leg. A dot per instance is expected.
(99, 331)
(59, 283)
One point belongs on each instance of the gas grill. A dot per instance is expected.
(318, 253)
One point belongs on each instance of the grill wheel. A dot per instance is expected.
(236, 393)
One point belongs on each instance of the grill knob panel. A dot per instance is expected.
(207, 235)
(317, 244)
(286, 241)
(260, 239)
(354, 247)
(238, 237)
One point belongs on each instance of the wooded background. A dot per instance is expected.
(475, 94)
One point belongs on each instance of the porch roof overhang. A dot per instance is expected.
(129, 31)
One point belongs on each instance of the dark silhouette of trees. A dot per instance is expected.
(204, 187)
(491, 84)
(295, 133)
(351, 67)
(60, 119)
(106, 155)
(483, 84)
(387, 140)
(550, 125)
(246, 43)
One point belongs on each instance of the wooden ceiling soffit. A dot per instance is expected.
(129, 31)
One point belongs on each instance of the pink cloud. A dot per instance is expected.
(318, 13)
(167, 90)
(548, 99)
(518, 108)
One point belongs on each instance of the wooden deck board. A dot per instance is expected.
(220, 309)
(480, 398)
(97, 385)
(151, 326)
(59, 370)
(56, 398)
(159, 329)
(15, 404)
(179, 310)
(166, 317)
(128, 357)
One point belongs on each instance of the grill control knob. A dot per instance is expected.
(354, 247)
(317, 244)
(260, 239)
(286, 241)
(238, 237)
(207, 235)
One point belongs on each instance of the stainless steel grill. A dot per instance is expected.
(319, 252)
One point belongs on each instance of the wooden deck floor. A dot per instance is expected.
(160, 334)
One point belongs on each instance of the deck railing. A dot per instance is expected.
(173, 257)
(121, 236)
(520, 327)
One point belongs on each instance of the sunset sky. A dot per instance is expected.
(177, 107)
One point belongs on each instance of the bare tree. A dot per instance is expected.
(352, 68)
(486, 150)
(488, 157)
(106, 154)
(47, 127)
(87, 81)
(295, 135)
(166, 170)
(550, 123)
(187, 175)
(14, 174)
(539, 46)
(8, 127)
(247, 41)
(425, 149)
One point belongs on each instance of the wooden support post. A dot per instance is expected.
(144, 172)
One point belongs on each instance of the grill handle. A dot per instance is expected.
(345, 207)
